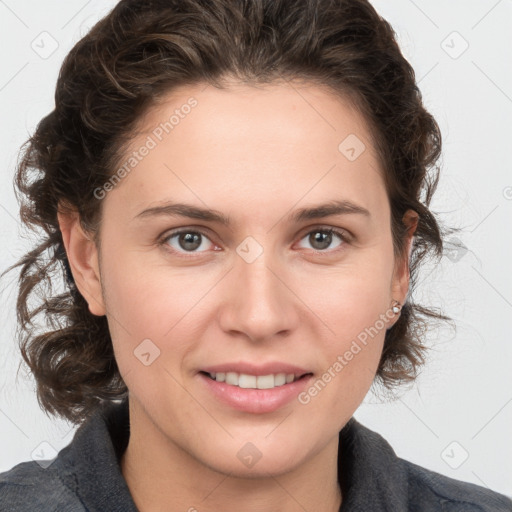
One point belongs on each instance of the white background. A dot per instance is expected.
(461, 405)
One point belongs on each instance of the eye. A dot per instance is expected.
(187, 241)
(322, 238)
(192, 241)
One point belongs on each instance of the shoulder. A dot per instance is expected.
(85, 474)
(452, 495)
(376, 478)
(29, 486)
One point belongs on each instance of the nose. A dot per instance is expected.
(259, 302)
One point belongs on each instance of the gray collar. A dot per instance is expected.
(371, 476)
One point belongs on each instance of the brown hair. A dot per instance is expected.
(126, 63)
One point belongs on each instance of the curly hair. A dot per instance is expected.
(125, 64)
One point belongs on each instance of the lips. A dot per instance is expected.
(255, 389)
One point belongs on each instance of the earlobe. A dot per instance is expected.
(83, 260)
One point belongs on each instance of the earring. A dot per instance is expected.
(396, 307)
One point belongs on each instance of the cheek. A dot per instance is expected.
(166, 305)
(353, 298)
(356, 315)
(143, 303)
(356, 312)
(354, 303)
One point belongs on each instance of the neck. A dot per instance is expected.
(163, 476)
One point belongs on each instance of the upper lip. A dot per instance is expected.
(252, 369)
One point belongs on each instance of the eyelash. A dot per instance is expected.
(343, 235)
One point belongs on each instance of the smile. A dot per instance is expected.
(246, 381)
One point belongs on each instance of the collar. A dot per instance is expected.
(370, 474)
(90, 464)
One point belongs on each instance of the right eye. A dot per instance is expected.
(185, 241)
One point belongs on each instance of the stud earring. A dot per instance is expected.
(396, 307)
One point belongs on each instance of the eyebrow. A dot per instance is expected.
(335, 207)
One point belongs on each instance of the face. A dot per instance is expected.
(272, 285)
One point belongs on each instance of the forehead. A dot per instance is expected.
(251, 143)
(279, 114)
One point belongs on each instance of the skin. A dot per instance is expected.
(257, 155)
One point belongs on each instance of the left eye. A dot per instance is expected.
(191, 241)
(323, 238)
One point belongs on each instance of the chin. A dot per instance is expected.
(260, 469)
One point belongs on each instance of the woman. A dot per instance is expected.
(232, 192)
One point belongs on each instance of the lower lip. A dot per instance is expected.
(255, 401)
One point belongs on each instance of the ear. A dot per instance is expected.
(401, 276)
(83, 259)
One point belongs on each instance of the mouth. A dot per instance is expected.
(248, 381)
(256, 394)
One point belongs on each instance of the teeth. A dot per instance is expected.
(232, 378)
(246, 381)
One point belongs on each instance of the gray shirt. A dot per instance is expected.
(86, 476)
